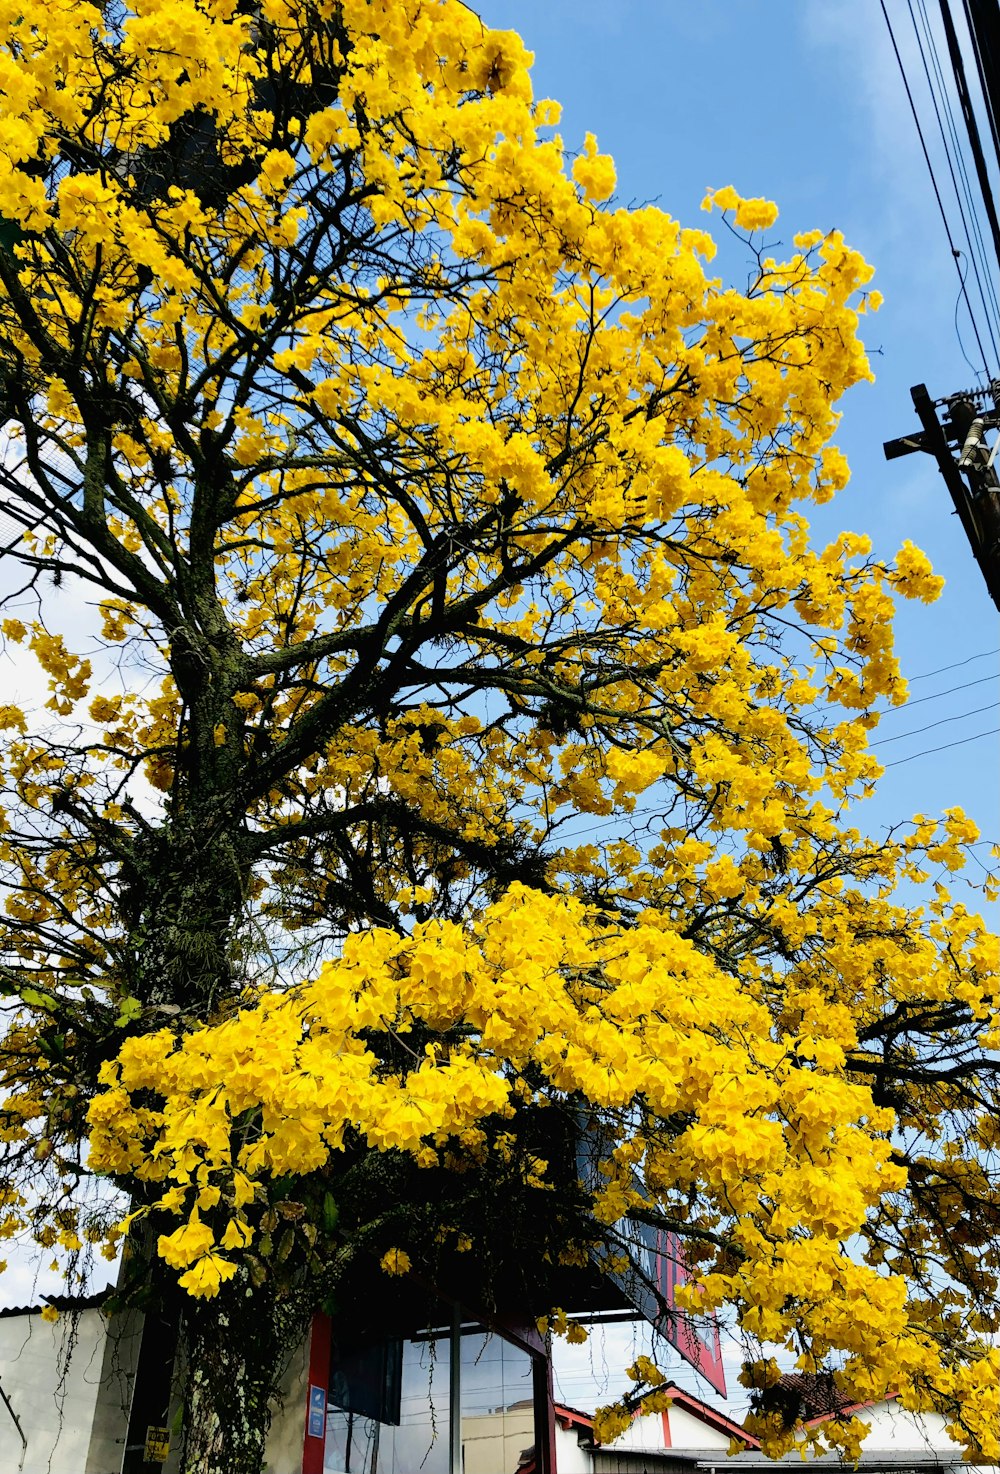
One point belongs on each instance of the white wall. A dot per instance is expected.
(687, 1431)
(58, 1414)
(72, 1430)
(283, 1450)
(115, 1375)
(642, 1433)
(895, 1428)
(495, 1441)
(570, 1457)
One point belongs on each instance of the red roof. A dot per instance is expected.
(811, 1397)
(571, 1417)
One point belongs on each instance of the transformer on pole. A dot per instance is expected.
(965, 458)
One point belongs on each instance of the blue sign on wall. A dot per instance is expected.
(316, 1427)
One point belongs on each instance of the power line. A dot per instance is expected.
(936, 695)
(933, 73)
(944, 748)
(960, 159)
(934, 183)
(972, 127)
(958, 330)
(985, 65)
(916, 732)
(926, 675)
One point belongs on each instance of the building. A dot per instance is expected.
(65, 1388)
(668, 1442)
(460, 1397)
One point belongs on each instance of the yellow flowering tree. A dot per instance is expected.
(466, 765)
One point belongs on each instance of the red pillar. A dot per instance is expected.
(314, 1438)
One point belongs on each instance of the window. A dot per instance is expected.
(458, 1401)
(497, 1402)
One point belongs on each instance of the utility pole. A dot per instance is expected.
(966, 461)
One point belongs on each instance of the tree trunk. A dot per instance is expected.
(233, 1365)
(188, 889)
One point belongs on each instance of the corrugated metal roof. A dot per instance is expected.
(889, 1459)
(66, 1303)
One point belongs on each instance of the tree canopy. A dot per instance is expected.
(474, 734)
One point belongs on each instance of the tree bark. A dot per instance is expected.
(188, 890)
(233, 1364)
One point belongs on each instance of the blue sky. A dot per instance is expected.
(801, 101)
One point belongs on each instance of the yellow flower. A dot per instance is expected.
(756, 214)
(186, 1243)
(594, 172)
(12, 716)
(396, 1261)
(237, 1235)
(205, 1277)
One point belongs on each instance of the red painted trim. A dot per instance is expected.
(313, 1449)
(521, 1333)
(545, 1415)
(569, 1417)
(665, 1418)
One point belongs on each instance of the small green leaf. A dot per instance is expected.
(34, 999)
(129, 1009)
(331, 1213)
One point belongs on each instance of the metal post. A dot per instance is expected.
(455, 1392)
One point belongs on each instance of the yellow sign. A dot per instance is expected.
(157, 1445)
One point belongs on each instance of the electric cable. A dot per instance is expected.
(916, 732)
(934, 183)
(944, 748)
(983, 25)
(972, 127)
(974, 213)
(926, 675)
(936, 695)
(984, 66)
(958, 331)
(932, 70)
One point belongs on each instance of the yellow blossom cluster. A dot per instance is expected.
(781, 1148)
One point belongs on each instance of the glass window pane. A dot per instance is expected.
(498, 1422)
(351, 1443)
(418, 1444)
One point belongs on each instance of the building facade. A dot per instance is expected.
(459, 1396)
